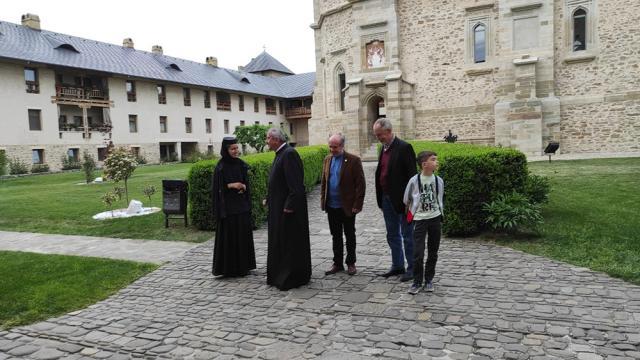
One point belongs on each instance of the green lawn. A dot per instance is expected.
(36, 287)
(592, 218)
(56, 204)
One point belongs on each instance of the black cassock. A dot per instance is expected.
(289, 254)
(233, 252)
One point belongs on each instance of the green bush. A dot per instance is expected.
(196, 156)
(200, 176)
(474, 175)
(512, 212)
(17, 167)
(3, 162)
(39, 168)
(69, 163)
(536, 188)
(88, 166)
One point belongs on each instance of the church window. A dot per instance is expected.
(341, 85)
(579, 30)
(479, 43)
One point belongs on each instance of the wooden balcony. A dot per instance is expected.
(72, 95)
(271, 110)
(223, 105)
(298, 113)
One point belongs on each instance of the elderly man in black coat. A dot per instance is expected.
(289, 253)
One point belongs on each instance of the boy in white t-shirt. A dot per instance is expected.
(424, 200)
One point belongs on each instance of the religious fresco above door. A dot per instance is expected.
(375, 54)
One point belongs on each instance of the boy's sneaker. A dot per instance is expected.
(415, 288)
(428, 287)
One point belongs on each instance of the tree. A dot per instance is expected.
(88, 166)
(119, 166)
(254, 136)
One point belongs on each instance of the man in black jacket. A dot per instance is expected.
(396, 165)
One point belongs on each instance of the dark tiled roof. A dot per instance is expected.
(22, 43)
(265, 62)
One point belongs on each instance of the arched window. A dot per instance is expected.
(341, 84)
(579, 30)
(479, 43)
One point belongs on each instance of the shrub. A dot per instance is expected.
(196, 156)
(3, 162)
(148, 191)
(512, 212)
(69, 163)
(140, 159)
(88, 166)
(536, 188)
(119, 166)
(474, 175)
(17, 167)
(39, 168)
(200, 183)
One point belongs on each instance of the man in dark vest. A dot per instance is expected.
(342, 195)
(396, 165)
(289, 254)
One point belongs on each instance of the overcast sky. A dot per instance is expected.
(234, 31)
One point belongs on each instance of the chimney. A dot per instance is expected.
(212, 60)
(128, 43)
(156, 49)
(240, 68)
(31, 21)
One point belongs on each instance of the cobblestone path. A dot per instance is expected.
(490, 302)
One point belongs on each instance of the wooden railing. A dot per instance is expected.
(223, 105)
(70, 92)
(298, 112)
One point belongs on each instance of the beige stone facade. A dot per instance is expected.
(551, 70)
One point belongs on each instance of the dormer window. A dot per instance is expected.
(174, 66)
(67, 47)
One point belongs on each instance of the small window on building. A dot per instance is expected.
(270, 123)
(35, 120)
(37, 156)
(256, 105)
(226, 126)
(31, 80)
(187, 125)
(133, 123)
(131, 90)
(73, 154)
(223, 101)
(479, 43)
(209, 149)
(242, 122)
(207, 99)
(240, 103)
(342, 84)
(579, 30)
(257, 122)
(186, 95)
(162, 94)
(271, 106)
(281, 105)
(163, 124)
(102, 153)
(291, 128)
(207, 125)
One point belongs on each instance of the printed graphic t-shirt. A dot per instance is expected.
(429, 207)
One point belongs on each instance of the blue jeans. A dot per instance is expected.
(399, 233)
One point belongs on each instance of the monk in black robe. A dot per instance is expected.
(289, 254)
(233, 252)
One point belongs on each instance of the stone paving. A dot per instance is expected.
(490, 303)
(151, 251)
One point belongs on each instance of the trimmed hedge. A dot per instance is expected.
(200, 176)
(474, 175)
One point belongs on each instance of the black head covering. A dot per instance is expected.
(224, 149)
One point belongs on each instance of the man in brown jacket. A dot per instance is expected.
(343, 187)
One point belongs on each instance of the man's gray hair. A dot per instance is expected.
(277, 133)
(340, 136)
(384, 124)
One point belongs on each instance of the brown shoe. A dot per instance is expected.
(351, 269)
(334, 269)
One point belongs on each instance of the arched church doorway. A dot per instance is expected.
(375, 110)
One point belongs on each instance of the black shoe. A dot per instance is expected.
(392, 272)
(406, 277)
